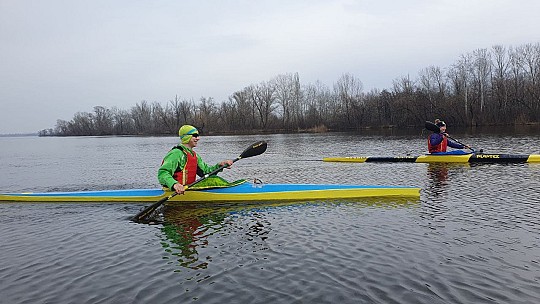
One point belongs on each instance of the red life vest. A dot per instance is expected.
(438, 148)
(188, 174)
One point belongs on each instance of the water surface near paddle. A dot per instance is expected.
(473, 236)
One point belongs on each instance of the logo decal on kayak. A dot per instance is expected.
(488, 156)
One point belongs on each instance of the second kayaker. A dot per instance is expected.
(439, 141)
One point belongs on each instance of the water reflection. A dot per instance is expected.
(188, 229)
(439, 174)
(442, 178)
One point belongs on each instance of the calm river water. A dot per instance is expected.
(472, 237)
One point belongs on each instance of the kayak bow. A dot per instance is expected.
(243, 192)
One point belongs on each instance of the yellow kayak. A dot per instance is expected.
(442, 158)
(244, 192)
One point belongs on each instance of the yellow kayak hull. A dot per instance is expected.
(245, 192)
(442, 158)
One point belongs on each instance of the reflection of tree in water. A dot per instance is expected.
(186, 228)
(439, 174)
(440, 177)
(258, 228)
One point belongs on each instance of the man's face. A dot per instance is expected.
(193, 141)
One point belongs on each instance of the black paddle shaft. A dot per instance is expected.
(253, 150)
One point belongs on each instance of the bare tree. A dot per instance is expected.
(481, 76)
(288, 94)
(123, 122)
(206, 113)
(164, 120)
(404, 100)
(142, 116)
(531, 68)
(262, 96)
(500, 76)
(348, 89)
(459, 74)
(245, 107)
(82, 124)
(433, 86)
(103, 121)
(179, 112)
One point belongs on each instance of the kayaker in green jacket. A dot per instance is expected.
(181, 165)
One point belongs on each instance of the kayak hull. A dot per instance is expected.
(244, 192)
(464, 158)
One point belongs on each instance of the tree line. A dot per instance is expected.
(497, 86)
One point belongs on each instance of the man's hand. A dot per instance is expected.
(227, 162)
(179, 188)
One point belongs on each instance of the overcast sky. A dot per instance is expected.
(59, 57)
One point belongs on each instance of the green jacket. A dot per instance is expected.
(176, 159)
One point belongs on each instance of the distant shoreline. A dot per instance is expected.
(391, 129)
(18, 134)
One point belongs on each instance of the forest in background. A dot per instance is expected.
(497, 86)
